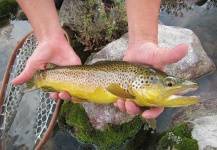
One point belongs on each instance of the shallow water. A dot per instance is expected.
(9, 37)
(202, 22)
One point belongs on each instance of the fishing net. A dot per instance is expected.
(13, 96)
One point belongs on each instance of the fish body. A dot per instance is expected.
(105, 82)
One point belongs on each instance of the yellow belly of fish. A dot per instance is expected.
(91, 93)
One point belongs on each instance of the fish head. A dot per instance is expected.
(156, 88)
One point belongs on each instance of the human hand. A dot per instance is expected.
(55, 50)
(150, 53)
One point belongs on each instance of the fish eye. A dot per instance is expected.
(169, 81)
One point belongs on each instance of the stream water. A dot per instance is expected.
(200, 20)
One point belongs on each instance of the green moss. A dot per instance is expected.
(113, 136)
(179, 137)
(188, 144)
(99, 23)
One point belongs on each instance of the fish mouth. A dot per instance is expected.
(175, 98)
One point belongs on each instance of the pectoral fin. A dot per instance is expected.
(115, 89)
(50, 66)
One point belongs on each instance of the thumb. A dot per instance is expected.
(175, 54)
(28, 72)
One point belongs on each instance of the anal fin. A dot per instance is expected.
(78, 100)
(48, 89)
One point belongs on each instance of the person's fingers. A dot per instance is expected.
(28, 72)
(54, 95)
(120, 104)
(131, 108)
(64, 95)
(175, 54)
(153, 112)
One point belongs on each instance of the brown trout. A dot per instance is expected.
(105, 82)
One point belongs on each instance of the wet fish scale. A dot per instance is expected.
(102, 75)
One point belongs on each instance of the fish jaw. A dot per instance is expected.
(173, 98)
(180, 101)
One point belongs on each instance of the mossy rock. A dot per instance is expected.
(179, 138)
(112, 137)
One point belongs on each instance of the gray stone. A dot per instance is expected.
(205, 132)
(208, 147)
(204, 108)
(204, 117)
(100, 115)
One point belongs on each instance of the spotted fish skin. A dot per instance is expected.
(105, 82)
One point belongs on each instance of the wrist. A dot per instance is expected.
(135, 41)
(50, 34)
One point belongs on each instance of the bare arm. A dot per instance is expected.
(52, 45)
(42, 16)
(142, 16)
(143, 46)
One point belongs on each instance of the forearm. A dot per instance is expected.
(142, 16)
(42, 16)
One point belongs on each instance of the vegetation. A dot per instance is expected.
(98, 22)
(178, 138)
(8, 9)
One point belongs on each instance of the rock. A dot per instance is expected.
(205, 132)
(195, 65)
(208, 147)
(204, 117)
(100, 115)
(190, 113)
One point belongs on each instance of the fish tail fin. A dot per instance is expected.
(30, 86)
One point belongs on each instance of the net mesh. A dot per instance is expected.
(14, 96)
